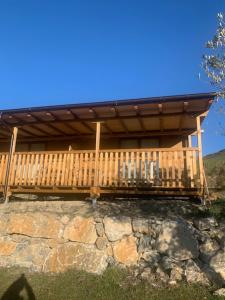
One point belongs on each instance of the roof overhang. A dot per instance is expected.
(143, 116)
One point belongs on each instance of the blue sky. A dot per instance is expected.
(57, 52)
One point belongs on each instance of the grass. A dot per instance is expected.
(113, 284)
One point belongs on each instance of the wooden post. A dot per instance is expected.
(8, 168)
(97, 146)
(189, 141)
(199, 135)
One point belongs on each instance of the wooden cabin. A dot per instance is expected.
(137, 146)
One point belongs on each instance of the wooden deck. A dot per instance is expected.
(129, 171)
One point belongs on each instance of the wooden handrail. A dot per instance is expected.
(106, 150)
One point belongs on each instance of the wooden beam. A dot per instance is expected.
(68, 125)
(97, 147)
(8, 167)
(140, 120)
(160, 108)
(189, 140)
(77, 119)
(95, 114)
(117, 116)
(199, 136)
(182, 117)
(156, 133)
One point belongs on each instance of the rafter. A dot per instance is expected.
(39, 120)
(181, 119)
(76, 118)
(68, 125)
(95, 114)
(120, 119)
(139, 118)
(193, 113)
(160, 109)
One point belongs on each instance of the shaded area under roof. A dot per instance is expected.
(146, 116)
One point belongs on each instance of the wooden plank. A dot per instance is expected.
(105, 179)
(80, 173)
(22, 170)
(13, 170)
(44, 172)
(199, 136)
(76, 170)
(31, 171)
(195, 167)
(8, 167)
(90, 169)
(64, 159)
(101, 170)
(121, 175)
(110, 168)
(97, 146)
(85, 169)
(40, 170)
(36, 169)
(116, 179)
(127, 168)
(49, 169)
(54, 169)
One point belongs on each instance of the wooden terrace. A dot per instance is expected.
(140, 146)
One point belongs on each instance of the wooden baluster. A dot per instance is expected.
(76, 170)
(143, 175)
(40, 170)
(110, 168)
(80, 174)
(137, 168)
(190, 164)
(155, 168)
(2, 168)
(58, 175)
(63, 176)
(21, 173)
(116, 179)
(105, 181)
(101, 170)
(121, 173)
(160, 167)
(175, 165)
(85, 169)
(54, 169)
(13, 169)
(127, 168)
(45, 168)
(194, 167)
(35, 169)
(132, 167)
(49, 169)
(31, 170)
(90, 169)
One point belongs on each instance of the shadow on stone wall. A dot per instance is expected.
(14, 290)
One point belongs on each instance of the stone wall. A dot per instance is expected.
(162, 241)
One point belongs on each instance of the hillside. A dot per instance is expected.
(215, 169)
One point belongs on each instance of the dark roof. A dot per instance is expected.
(133, 101)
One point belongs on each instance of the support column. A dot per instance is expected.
(6, 192)
(95, 190)
(189, 141)
(201, 168)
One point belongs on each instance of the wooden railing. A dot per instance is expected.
(116, 168)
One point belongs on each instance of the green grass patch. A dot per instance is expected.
(113, 284)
